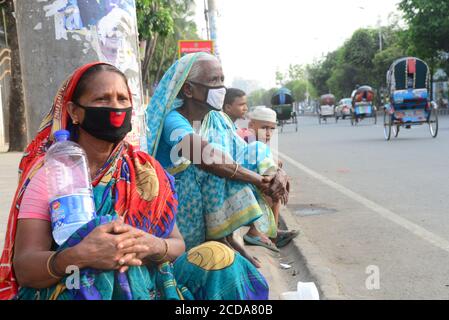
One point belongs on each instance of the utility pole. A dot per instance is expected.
(56, 37)
(17, 127)
(213, 15)
(206, 17)
(379, 27)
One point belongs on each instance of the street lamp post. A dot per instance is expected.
(379, 27)
(206, 17)
(212, 11)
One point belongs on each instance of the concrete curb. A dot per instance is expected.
(323, 277)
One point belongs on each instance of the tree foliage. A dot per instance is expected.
(295, 79)
(161, 24)
(358, 61)
(428, 29)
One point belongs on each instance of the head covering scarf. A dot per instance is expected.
(131, 184)
(165, 98)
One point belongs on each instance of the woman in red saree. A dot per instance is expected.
(133, 249)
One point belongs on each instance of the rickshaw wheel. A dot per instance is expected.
(433, 123)
(396, 130)
(387, 126)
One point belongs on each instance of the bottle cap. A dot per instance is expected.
(62, 135)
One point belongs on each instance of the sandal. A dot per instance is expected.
(257, 241)
(284, 237)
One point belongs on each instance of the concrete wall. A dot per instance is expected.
(5, 77)
(57, 36)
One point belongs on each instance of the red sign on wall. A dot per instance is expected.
(191, 46)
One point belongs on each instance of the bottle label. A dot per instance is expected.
(73, 208)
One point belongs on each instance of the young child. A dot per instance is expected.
(261, 128)
(235, 104)
(262, 124)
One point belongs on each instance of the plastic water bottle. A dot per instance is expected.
(69, 187)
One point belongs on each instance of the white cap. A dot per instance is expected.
(263, 114)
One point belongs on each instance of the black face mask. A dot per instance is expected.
(106, 123)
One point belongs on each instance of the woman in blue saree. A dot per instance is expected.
(216, 193)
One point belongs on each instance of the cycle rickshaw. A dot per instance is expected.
(326, 108)
(282, 103)
(409, 98)
(363, 105)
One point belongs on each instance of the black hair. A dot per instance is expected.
(83, 81)
(232, 94)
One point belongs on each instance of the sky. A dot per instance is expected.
(258, 37)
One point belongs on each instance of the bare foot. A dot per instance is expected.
(230, 241)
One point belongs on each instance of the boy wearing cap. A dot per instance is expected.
(262, 123)
(261, 128)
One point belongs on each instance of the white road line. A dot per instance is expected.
(424, 234)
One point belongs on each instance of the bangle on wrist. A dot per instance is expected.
(164, 257)
(235, 171)
(50, 265)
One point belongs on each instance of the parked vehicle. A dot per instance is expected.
(344, 109)
(409, 98)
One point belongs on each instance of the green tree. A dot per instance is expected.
(167, 49)
(428, 29)
(321, 71)
(261, 97)
(299, 88)
(382, 62)
(280, 78)
(154, 18)
(161, 24)
(356, 65)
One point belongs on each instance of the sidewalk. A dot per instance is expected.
(279, 279)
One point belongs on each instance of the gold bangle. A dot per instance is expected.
(235, 172)
(165, 254)
(49, 268)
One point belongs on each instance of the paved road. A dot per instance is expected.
(381, 204)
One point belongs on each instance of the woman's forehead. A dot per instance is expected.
(106, 80)
(210, 70)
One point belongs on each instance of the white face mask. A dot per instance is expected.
(215, 96)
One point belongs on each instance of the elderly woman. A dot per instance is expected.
(133, 249)
(215, 193)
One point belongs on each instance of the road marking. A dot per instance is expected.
(428, 236)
